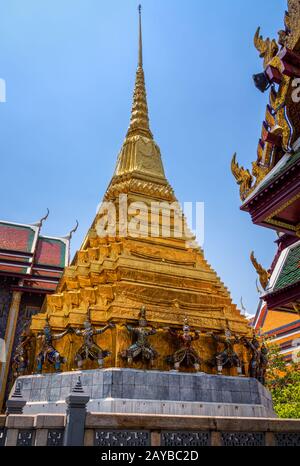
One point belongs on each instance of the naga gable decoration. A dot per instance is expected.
(263, 274)
(243, 177)
(267, 48)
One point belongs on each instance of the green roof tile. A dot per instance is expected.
(293, 159)
(290, 272)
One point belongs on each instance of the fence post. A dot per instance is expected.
(76, 413)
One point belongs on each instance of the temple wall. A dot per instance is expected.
(155, 430)
(5, 300)
(30, 304)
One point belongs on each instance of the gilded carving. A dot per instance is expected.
(282, 121)
(263, 274)
(243, 178)
(272, 218)
(290, 36)
(267, 48)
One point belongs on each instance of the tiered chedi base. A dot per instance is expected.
(119, 390)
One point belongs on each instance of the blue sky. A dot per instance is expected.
(69, 68)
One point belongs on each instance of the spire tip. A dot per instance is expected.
(140, 37)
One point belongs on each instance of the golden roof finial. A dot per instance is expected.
(139, 121)
(140, 37)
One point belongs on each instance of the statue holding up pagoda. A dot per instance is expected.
(141, 346)
(259, 358)
(90, 349)
(48, 353)
(21, 359)
(253, 346)
(263, 363)
(228, 356)
(186, 354)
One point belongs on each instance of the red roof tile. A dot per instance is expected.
(16, 237)
(51, 251)
(23, 252)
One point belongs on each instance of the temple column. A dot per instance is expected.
(9, 341)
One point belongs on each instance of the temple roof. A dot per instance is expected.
(37, 260)
(282, 292)
(17, 237)
(285, 164)
(51, 251)
(283, 328)
(290, 271)
(280, 130)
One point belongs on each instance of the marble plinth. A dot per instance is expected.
(118, 390)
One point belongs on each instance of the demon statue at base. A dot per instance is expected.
(48, 353)
(141, 346)
(253, 346)
(259, 358)
(186, 354)
(90, 349)
(21, 358)
(263, 364)
(228, 357)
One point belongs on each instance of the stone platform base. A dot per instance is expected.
(118, 390)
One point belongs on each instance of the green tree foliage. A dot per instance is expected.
(283, 380)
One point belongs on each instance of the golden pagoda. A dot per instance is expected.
(114, 275)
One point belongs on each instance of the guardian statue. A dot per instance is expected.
(90, 349)
(228, 356)
(141, 346)
(186, 354)
(48, 352)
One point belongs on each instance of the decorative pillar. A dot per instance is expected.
(216, 439)
(155, 438)
(9, 341)
(76, 413)
(270, 440)
(16, 402)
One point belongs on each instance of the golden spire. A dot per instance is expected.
(139, 121)
(140, 63)
(139, 155)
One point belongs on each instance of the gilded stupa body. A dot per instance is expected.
(115, 275)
